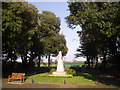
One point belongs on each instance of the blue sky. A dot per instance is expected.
(61, 10)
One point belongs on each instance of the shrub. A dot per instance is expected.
(52, 70)
(87, 75)
(76, 68)
(44, 74)
(71, 71)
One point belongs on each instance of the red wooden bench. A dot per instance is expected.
(16, 76)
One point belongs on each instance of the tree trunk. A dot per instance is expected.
(11, 66)
(104, 61)
(7, 58)
(48, 61)
(88, 61)
(14, 57)
(11, 59)
(25, 58)
(22, 59)
(96, 62)
(31, 57)
(11, 56)
(39, 57)
(92, 63)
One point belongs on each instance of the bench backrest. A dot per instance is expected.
(18, 74)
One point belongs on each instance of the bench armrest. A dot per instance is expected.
(9, 76)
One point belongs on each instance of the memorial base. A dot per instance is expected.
(59, 73)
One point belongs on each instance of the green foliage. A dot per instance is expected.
(52, 70)
(19, 20)
(49, 22)
(24, 32)
(86, 75)
(71, 71)
(100, 28)
(52, 40)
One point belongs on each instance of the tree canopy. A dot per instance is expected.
(19, 23)
(52, 40)
(29, 34)
(99, 35)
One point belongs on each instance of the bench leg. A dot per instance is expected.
(23, 80)
(8, 80)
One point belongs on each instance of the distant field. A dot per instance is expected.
(65, 64)
(73, 63)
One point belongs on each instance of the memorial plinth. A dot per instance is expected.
(60, 66)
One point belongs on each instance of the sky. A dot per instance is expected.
(60, 9)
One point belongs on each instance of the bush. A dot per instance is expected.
(87, 75)
(76, 68)
(44, 74)
(52, 70)
(71, 71)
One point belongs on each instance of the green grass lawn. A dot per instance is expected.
(74, 80)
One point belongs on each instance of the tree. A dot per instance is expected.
(27, 32)
(52, 40)
(36, 48)
(97, 22)
(54, 44)
(19, 24)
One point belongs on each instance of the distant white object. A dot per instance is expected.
(60, 66)
(19, 59)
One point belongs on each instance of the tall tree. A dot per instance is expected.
(97, 22)
(27, 32)
(19, 24)
(50, 26)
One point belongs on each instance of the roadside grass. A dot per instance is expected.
(39, 78)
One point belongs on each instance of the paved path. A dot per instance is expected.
(5, 84)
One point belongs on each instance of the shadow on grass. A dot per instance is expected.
(102, 76)
(79, 72)
(107, 77)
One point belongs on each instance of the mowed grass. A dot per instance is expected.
(74, 80)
